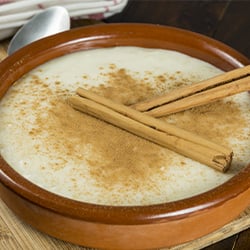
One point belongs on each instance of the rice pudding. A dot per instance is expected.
(77, 156)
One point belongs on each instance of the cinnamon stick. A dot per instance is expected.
(157, 131)
(197, 94)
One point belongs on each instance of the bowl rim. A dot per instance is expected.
(109, 35)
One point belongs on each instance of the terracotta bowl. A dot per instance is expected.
(136, 227)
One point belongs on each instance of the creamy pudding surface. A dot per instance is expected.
(80, 157)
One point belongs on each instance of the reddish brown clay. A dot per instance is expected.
(140, 227)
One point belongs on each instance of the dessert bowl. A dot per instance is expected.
(121, 226)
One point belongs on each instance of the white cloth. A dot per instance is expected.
(15, 13)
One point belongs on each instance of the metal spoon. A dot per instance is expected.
(51, 21)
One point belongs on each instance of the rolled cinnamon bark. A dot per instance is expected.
(197, 94)
(155, 130)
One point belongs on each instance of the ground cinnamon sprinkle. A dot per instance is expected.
(214, 121)
(123, 88)
(116, 157)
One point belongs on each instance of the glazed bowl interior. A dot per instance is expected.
(105, 36)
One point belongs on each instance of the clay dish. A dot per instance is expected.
(121, 227)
